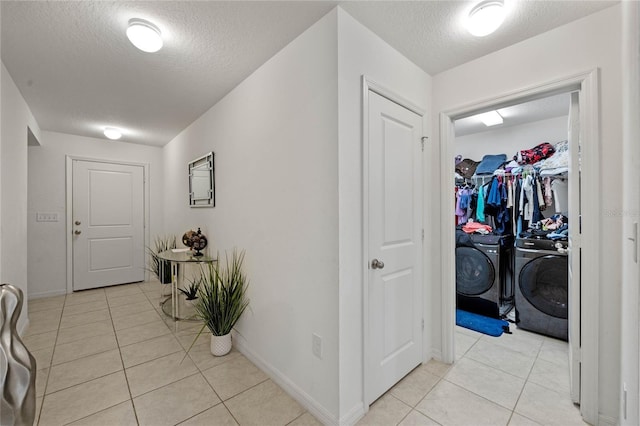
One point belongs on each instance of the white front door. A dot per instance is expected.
(395, 309)
(107, 224)
(574, 247)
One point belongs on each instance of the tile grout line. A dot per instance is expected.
(525, 384)
(440, 379)
(124, 370)
(199, 371)
(46, 384)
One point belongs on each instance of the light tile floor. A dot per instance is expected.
(110, 357)
(516, 379)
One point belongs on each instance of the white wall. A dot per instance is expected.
(630, 351)
(509, 140)
(360, 52)
(16, 117)
(47, 255)
(577, 47)
(275, 139)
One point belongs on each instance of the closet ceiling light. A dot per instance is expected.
(144, 35)
(112, 133)
(486, 17)
(490, 118)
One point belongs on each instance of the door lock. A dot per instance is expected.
(377, 264)
(77, 232)
(77, 222)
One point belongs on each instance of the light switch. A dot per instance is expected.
(46, 217)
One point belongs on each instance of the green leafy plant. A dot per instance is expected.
(223, 294)
(157, 266)
(191, 291)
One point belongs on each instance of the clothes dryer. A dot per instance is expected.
(484, 281)
(542, 287)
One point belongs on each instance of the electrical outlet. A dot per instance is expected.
(46, 217)
(316, 345)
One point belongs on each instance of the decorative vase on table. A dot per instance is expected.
(195, 240)
(221, 345)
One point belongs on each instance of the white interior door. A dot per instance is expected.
(575, 248)
(395, 244)
(108, 224)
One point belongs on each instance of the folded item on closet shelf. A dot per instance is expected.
(467, 167)
(535, 154)
(490, 163)
(513, 164)
(556, 164)
(554, 172)
(476, 227)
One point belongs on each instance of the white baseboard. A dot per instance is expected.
(304, 399)
(607, 421)
(352, 417)
(43, 294)
(436, 354)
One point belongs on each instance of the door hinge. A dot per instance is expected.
(422, 324)
(423, 235)
(580, 224)
(424, 138)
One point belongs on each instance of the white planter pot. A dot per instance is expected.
(220, 345)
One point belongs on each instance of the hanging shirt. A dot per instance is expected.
(461, 206)
(494, 199)
(548, 193)
(540, 197)
(560, 195)
(526, 198)
(480, 205)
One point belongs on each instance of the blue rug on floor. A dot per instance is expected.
(491, 326)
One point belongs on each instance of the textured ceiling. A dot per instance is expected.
(431, 33)
(77, 71)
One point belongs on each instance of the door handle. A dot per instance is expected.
(377, 264)
(77, 232)
(77, 222)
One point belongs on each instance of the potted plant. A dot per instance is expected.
(222, 299)
(191, 291)
(161, 268)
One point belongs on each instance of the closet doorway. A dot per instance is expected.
(581, 92)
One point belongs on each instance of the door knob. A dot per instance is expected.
(377, 264)
(77, 232)
(77, 222)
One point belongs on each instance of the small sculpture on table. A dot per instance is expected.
(197, 241)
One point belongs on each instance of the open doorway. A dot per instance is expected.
(583, 132)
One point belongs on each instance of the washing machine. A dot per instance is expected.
(484, 283)
(542, 287)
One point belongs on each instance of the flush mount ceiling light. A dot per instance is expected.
(144, 35)
(112, 133)
(486, 17)
(490, 118)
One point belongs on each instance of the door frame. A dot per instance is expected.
(370, 85)
(587, 84)
(69, 159)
